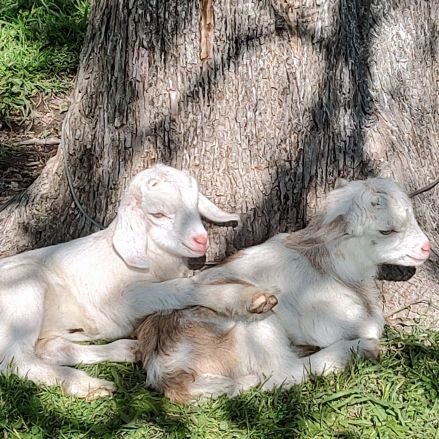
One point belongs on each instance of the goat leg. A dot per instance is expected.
(232, 299)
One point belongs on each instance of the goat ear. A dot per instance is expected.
(338, 227)
(340, 182)
(130, 237)
(214, 213)
(375, 200)
(351, 225)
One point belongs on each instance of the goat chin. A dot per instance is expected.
(97, 286)
(328, 307)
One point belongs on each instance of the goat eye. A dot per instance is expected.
(158, 215)
(386, 232)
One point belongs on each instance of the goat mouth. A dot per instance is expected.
(195, 251)
(420, 260)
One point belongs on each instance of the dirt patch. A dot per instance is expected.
(27, 144)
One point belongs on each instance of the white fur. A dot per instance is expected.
(79, 290)
(326, 278)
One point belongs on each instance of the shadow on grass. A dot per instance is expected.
(419, 353)
(276, 414)
(25, 408)
(51, 23)
(40, 43)
(298, 412)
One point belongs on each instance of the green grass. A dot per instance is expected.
(394, 397)
(40, 42)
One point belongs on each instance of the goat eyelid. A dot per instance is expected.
(387, 232)
(159, 215)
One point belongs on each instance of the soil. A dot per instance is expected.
(28, 143)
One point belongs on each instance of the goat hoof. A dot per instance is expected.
(262, 303)
(370, 348)
(101, 392)
(90, 388)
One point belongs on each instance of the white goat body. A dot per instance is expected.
(325, 275)
(79, 290)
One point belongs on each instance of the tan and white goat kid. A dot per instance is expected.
(79, 291)
(328, 299)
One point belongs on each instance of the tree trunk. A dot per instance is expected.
(265, 102)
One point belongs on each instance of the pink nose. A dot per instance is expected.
(201, 240)
(426, 247)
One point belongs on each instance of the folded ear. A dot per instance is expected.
(214, 213)
(130, 237)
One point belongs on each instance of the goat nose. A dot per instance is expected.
(200, 240)
(426, 247)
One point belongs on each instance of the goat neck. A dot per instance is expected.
(349, 263)
(341, 259)
(331, 251)
(164, 265)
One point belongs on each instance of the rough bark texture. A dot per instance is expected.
(291, 95)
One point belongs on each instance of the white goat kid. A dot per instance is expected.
(53, 296)
(328, 299)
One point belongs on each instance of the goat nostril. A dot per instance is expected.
(426, 247)
(200, 239)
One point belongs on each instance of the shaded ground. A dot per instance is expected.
(26, 146)
(414, 302)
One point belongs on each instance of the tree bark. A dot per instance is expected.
(265, 102)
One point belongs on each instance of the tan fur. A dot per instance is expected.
(211, 348)
(230, 280)
(311, 240)
(311, 243)
(303, 350)
(176, 385)
(316, 233)
(317, 256)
